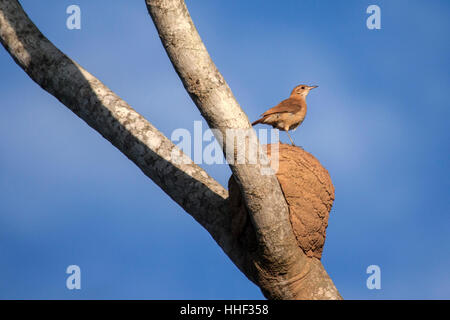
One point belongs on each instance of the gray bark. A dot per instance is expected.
(185, 182)
(278, 266)
(278, 262)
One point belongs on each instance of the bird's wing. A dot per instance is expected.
(288, 105)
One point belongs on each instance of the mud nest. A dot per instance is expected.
(309, 193)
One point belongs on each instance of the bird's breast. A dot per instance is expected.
(297, 118)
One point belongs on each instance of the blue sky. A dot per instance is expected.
(378, 122)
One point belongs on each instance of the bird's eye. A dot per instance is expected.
(303, 87)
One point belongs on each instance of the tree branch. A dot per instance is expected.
(185, 182)
(279, 265)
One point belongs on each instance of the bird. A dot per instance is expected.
(289, 113)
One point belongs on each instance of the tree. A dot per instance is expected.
(278, 266)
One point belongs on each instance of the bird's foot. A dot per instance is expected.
(300, 147)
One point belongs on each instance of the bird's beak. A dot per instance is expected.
(312, 87)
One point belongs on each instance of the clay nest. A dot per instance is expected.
(309, 194)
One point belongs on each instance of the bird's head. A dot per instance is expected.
(302, 90)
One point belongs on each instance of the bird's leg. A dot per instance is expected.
(292, 141)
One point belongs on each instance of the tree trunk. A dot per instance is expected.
(278, 266)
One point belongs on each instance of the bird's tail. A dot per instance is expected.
(258, 121)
